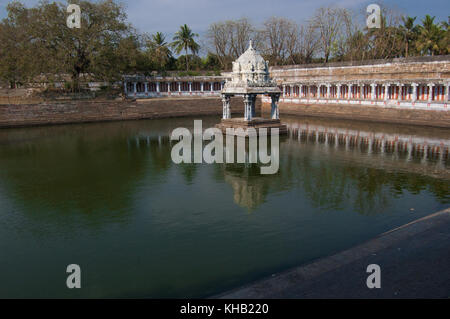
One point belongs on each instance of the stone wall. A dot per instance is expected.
(420, 69)
(389, 90)
(96, 111)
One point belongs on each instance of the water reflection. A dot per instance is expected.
(325, 159)
(72, 175)
(108, 197)
(432, 152)
(250, 188)
(336, 162)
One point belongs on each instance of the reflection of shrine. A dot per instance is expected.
(249, 187)
(325, 159)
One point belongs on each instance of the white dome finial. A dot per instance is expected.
(250, 44)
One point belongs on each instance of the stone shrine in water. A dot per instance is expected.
(249, 78)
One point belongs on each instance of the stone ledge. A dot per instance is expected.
(400, 253)
(256, 123)
(366, 113)
(97, 111)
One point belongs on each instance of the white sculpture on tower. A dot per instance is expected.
(250, 69)
(249, 78)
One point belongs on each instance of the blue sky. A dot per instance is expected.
(166, 15)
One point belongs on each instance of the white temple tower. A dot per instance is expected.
(249, 78)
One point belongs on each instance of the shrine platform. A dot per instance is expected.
(256, 123)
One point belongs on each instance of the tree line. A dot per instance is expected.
(331, 34)
(35, 42)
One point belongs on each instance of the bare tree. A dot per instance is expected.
(347, 29)
(229, 39)
(308, 43)
(293, 45)
(281, 38)
(328, 22)
(243, 31)
(219, 35)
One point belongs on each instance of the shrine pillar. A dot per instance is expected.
(226, 106)
(248, 101)
(274, 114)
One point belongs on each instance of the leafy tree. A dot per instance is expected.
(409, 32)
(158, 51)
(111, 62)
(98, 47)
(211, 62)
(430, 36)
(444, 43)
(184, 40)
(358, 46)
(194, 61)
(18, 54)
(385, 42)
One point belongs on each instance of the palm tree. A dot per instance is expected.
(409, 31)
(184, 40)
(429, 37)
(159, 50)
(444, 44)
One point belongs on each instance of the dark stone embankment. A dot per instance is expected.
(66, 112)
(81, 111)
(414, 261)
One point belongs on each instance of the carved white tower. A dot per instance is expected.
(250, 77)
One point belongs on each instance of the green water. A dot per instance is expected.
(108, 198)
